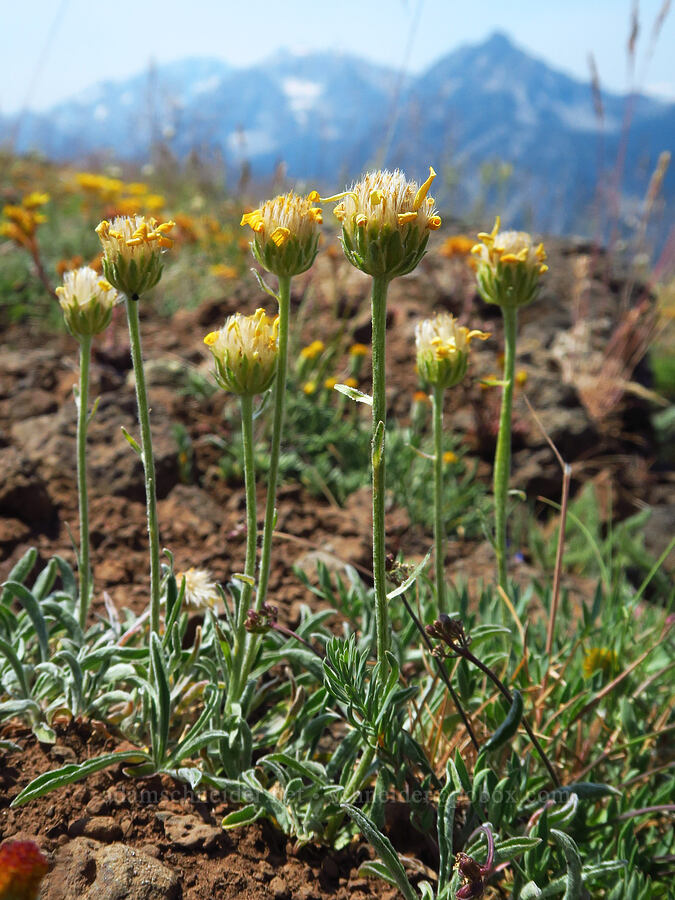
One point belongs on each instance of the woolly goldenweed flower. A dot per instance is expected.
(600, 659)
(358, 350)
(443, 349)
(330, 383)
(22, 225)
(286, 233)
(132, 247)
(449, 457)
(87, 301)
(35, 199)
(309, 388)
(311, 351)
(245, 351)
(509, 267)
(201, 592)
(386, 221)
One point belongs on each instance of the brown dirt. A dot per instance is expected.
(203, 523)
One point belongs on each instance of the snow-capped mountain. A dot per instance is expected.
(328, 116)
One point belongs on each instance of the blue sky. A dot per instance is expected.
(56, 48)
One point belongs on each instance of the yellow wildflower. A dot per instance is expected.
(330, 383)
(220, 270)
(509, 267)
(600, 659)
(358, 350)
(286, 233)
(449, 457)
(311, 351)
(87, 301)
(443, 349)
(245, 351)
(386, 221)
(309, 387)
(132, 248)
(35, 199)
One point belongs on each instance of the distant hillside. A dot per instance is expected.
(327, 117)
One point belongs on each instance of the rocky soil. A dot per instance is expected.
(105, 840)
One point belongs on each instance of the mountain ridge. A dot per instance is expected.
(329, 116)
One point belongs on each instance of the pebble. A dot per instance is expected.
(279, 888)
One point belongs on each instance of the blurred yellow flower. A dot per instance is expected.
(358, 350)
(311, 351)
(600, 659)
(449, 457)
(221, 270)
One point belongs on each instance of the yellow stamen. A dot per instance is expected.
(404, 218)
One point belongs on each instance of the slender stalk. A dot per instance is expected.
(240, 641)
(270, 506)
(439, 530)
(502, 468)
(279, 397)
(83, 501)
(148, 459)
(379, 314)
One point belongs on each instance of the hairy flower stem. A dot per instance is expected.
(439, 531)
(379, 315)
(270, 507)
(148, 459)
(502, 467)
(240, 641)
(279, 397)
(82, 422)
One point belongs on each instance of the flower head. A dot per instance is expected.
(22, 224)
(87, 301)
(285, 233)
(443, 349)
(600, 659)
(245, 351)
(132, 248)
(509, 267)
(22, 868)
(201, 592)
(386, 221)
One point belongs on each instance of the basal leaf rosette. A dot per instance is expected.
(443, 349)
(87, 301)
(132, 247)
(510, 267)
(386, 221)
(245, 352)
(285, 233)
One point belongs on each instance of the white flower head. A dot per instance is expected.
(201, 592)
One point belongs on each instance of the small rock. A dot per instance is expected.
(63, 754)
(86, 870)
(13, 531)
(279, 888)
(191, 833)
(103, 828)
(98, 806)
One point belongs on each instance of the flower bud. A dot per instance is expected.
(386, 221)
(443, 350)
(286, 233)
(132, 247)
(509, 267)
(245, 351)
(87, 301)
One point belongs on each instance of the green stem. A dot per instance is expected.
(502, 468)
(148, 459)
(240, 640)
(279, 397)
(379, 314)
(439, 530)
(270, 506)
(354, 784)
(82, 414)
